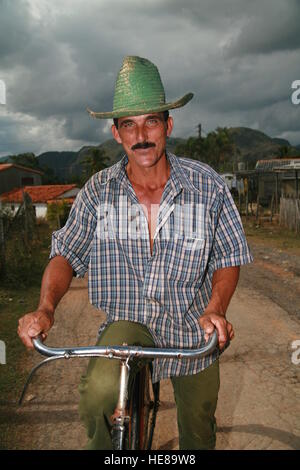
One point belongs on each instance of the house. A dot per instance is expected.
(16, 176)
(290, 179)
(271, 176)
(41, 197)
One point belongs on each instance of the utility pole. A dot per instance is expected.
(25, 218)
(2, 245)
(199, 127)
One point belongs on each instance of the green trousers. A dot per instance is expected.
(195, 395)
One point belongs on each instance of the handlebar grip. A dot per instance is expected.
(212, 342)
(37, 341)
(43, 349)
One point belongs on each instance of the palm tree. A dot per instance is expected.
(94, 161)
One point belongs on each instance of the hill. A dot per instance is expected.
(60, 162)
(68, 165)
(250, 145)
(253, 145)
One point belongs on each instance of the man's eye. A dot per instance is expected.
(152, 122)
(127, 124)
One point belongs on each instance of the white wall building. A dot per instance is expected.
(41, 197)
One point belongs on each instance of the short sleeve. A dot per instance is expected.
(74, 240)
(230, 247)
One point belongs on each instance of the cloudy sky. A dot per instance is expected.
(239, 58)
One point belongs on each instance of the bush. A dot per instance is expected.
(26, 254)
(57, 213)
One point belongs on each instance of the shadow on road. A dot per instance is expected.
(285, 437)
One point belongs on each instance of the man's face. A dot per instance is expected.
(143, 137)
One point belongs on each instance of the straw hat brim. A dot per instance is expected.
(139, 111)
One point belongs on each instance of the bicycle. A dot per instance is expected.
(134, 418)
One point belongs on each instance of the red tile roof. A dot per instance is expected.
(37, 193)
(6, 166)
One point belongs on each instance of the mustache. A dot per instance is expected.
(142, 145)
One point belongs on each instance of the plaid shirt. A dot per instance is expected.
(198, 231)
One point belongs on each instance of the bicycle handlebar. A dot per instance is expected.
(115, 352)
(122, 352)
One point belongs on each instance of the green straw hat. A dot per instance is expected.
(139, 90)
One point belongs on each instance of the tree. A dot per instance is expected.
(94, 161)
(217, 149)
(26, 159)
(49, 176)
(284, 151)
(57, 213)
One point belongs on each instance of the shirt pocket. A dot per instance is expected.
(185, 260)
(184, 269)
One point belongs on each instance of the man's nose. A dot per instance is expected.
(141, 134)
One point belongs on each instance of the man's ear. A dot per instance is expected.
(116, 134)
(169, 126)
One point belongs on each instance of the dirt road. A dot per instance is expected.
(258, 404)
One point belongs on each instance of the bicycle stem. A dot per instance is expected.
(122, 400)
(120, 417)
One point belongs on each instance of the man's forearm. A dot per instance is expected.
(55, 283)
(224, 283)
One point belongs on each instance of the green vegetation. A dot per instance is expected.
(225, 147)
(216, 149)
(27, 245)
(19, 294)
(26, 159)
(57, 213)
(95, 160)
(14, 303)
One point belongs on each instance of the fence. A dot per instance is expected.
(289, 215)
(14, 229)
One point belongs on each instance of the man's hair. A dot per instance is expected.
(165, 113)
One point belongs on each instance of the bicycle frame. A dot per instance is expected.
(123, 353)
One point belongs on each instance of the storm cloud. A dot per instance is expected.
(239, 58)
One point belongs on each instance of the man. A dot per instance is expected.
(163, 242)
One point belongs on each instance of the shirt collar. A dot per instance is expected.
(178, 177)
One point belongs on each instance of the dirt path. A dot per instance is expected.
(259, 398)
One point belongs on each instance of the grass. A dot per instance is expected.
(19, 294)
(271, 233)
(14, 303)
